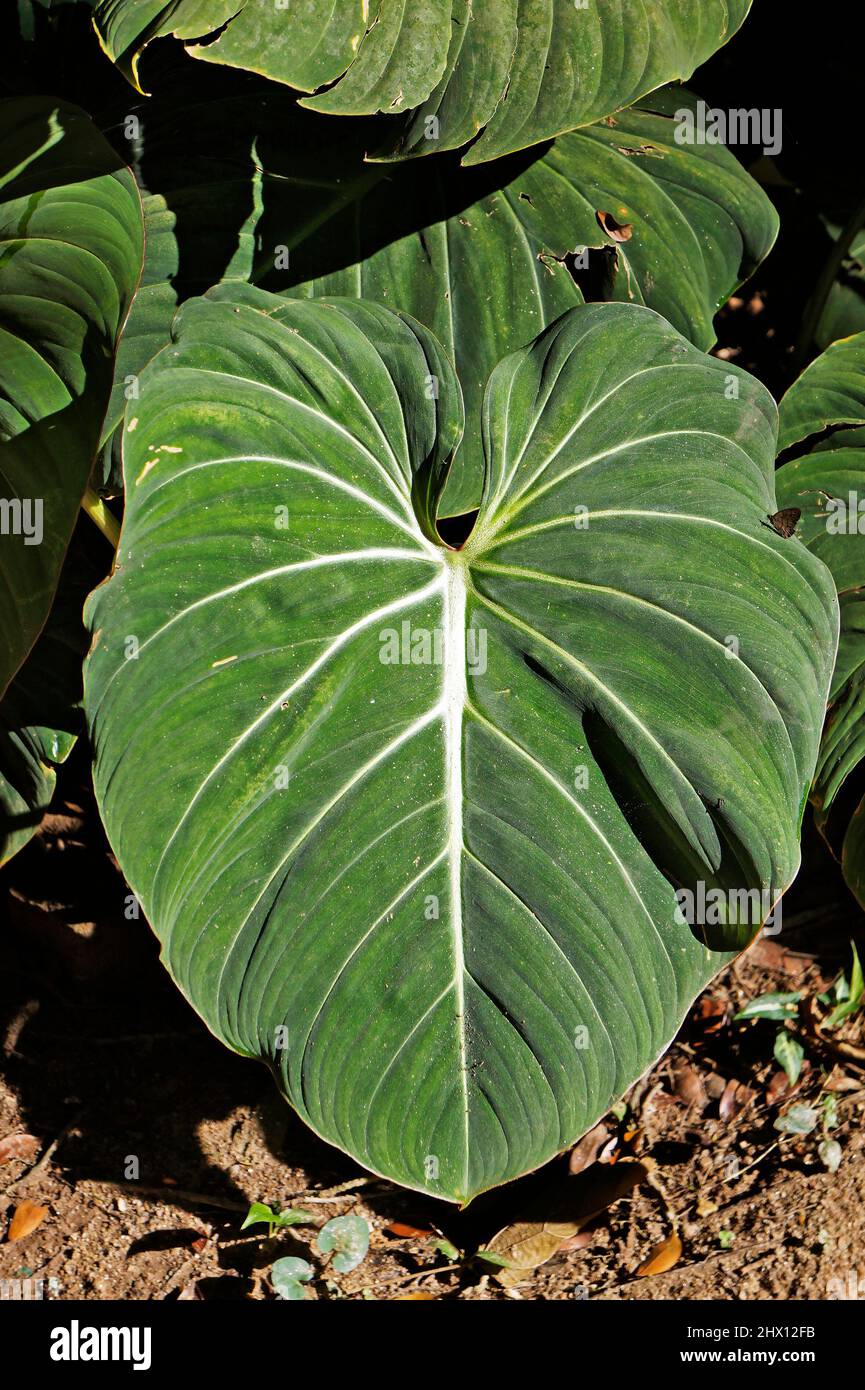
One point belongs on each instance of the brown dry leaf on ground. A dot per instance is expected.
(690, 1088)
(18, 1146)
(736, 1096)
(403, 1231)
(528, 1244)
(26, 1217)
(586, 1152)
(662, 1256)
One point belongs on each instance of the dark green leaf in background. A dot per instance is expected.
(823, 421)
(72, 248)
(518, 71)
(283, 199)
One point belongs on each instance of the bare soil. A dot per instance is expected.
(153, 1139)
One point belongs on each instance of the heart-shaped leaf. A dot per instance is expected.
(70, 219)
(519, 71)
(288, 1277)
(415, 818)
(347, 1237)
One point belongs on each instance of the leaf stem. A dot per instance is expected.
(103, 518)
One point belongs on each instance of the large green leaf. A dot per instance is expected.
(827, 483)
(408, 820)
(479, 256)
(70, 222)
(519, 71)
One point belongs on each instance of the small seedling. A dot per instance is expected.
(288, 1277)
(789, 1054)
(347, 1239)
(260, 1214)
(849, 995)
(776, 1007)
(799, 1119)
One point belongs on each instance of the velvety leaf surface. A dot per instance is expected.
(518, 71)
(480, 256)
(420, 848)
(828, 485)
(70, 220)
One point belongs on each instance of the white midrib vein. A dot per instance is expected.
(450, 706)
(454, 699)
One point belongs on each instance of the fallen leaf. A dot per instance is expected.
(690, 1088)
(736, 1096)
(619, 231)
(528, 1244)
(18, 1146)
(837, 1081)
(404, 1232)
(27, 1216)
(778, 1088)
(587, 1150)
(414, 1297)
(662, 1256)
(711, 1012)
(715, 1086)
(577, 1242)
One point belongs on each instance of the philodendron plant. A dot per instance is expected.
(456, 693)
(408, 819)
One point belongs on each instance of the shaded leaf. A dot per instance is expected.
(70, 221)
(453, 67)
(789, 1053)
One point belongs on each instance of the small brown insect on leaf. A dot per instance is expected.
(785, 521)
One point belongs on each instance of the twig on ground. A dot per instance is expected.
(42, 1163)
